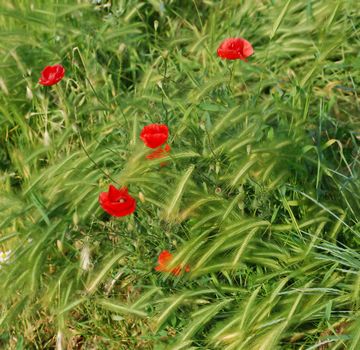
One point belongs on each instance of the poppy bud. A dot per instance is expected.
(156, 25)
(29, 94)
(165, 54)
(141, 197)
(47, 139)
(59, 246)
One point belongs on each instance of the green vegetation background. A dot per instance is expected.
(260, 195)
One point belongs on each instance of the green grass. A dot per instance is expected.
(261, 193)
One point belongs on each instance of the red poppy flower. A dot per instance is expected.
(52, 75)
(165, 259)
(235, 49)
(154, 135)
(117, 202)
(159, 153)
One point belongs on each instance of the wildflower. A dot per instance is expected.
(52, 75)
(154, 135)
(160, 153)
(164, 260)
(235, 49)
(117, 202)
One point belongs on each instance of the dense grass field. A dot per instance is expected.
(260, 194)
